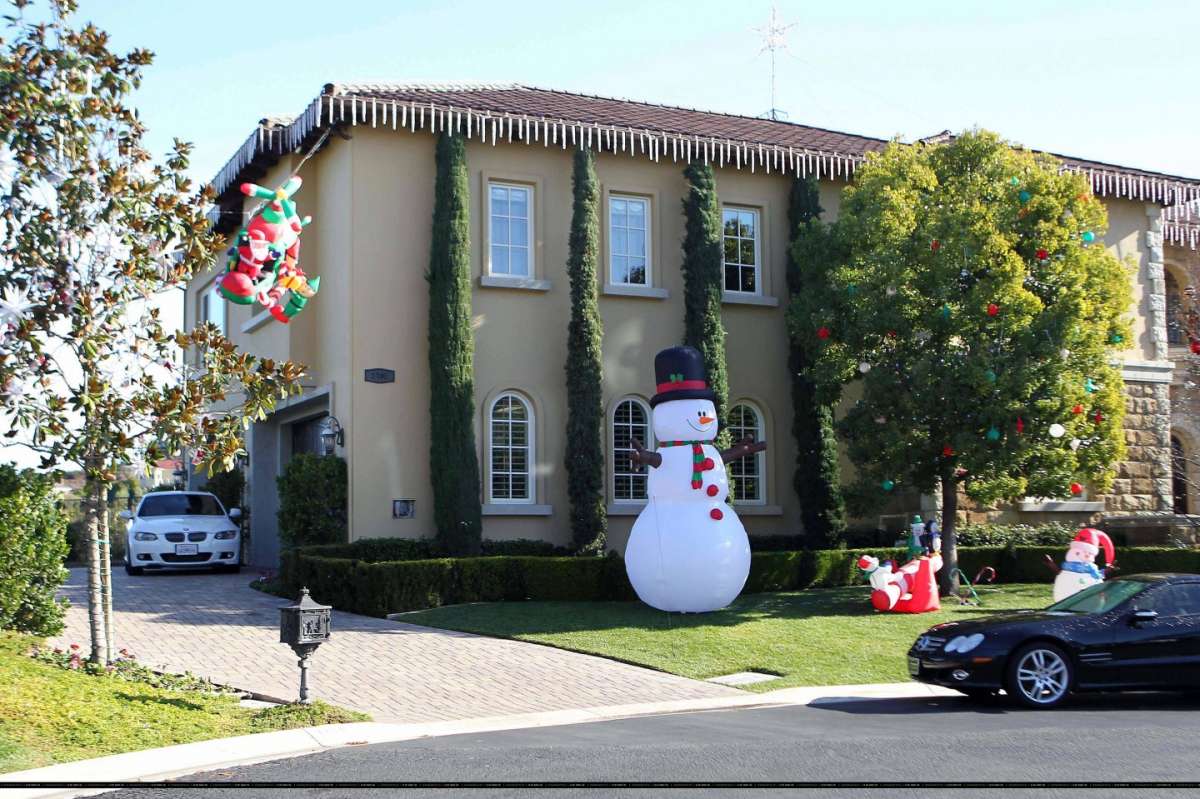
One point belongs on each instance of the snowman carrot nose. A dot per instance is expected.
(705, 419)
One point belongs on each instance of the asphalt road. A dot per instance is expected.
(1138, 737)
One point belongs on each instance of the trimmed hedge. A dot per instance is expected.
(344, 576)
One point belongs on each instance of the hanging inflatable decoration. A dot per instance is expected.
(264, 263)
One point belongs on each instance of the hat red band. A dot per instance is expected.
(682, 385)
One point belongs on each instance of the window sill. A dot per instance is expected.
(757, 510)
(646, 292)
(1061, 506)
(507, 282)
(625, 508)
(256, 321)
(735, 298)
(517, 509)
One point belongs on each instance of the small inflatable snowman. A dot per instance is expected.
(688, 550)
(1079, 570)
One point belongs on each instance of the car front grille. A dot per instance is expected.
(174, 537)
(929, 643)
(200, 557)
(197, 536)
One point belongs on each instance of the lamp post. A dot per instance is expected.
(304, 627)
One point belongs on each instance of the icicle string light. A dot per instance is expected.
(1181, 199)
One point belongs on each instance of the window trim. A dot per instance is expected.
(531, 447)
(760, 289)
(648, 233)
(617, 504)
(208, 295)
(530, 227)
(760, 457)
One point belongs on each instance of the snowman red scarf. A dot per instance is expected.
(700, 464)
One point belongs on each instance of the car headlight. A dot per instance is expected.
(145, 537)
(964, 643)
(225, 535)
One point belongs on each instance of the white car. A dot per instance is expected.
(181, 529)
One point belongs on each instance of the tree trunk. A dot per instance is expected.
(99, 643)
(948, 576)
(106, 577)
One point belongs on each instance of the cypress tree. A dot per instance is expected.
(702, 273)
(816, 480)
(585, 408)
(454, 468)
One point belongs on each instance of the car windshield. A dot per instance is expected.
(1100, 597)
(181, 505)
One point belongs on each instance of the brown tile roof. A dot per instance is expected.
(499, 111)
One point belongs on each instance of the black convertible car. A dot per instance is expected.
(1136, 632)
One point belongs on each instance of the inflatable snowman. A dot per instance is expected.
(1079, 570)
(688, 550)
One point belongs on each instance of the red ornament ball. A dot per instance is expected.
(1042, 255)
(947, 451)
(1196, 347)
(1076, 489)
(716, 514)
(935, 245)
(822, 333)
(993, 309)
(707, 465)
(1077, 409)
(1099, 417)
(712, 491)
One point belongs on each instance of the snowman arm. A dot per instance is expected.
(743, 448)
(1051, 564)
(643, 456)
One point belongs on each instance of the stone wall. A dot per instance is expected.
(1143, 481)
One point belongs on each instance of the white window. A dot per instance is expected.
(630, 423)
(212, 307)
(510, 226)
(740, 234)
(629, 241)
(511, 421)
(746, 474)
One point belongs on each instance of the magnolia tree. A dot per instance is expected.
(1184, 321)
(92, 232)
(973, 314)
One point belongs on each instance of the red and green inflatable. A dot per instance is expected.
(264, 263)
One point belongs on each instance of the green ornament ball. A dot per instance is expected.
(1116, 338)
(1088, 236)
(1015, 181)
(991, 376)
(888, 485)
(993, 434)
(1024, 196)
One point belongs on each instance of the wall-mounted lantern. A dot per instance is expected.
(333, 435)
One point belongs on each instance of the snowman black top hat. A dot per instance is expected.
(679, 373)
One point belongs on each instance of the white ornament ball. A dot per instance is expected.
(890, 291)
(1057, 430)
(864, 367)
(1064, 353)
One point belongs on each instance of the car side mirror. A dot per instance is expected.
(1141, 617)
(235, 513)
(125, 514)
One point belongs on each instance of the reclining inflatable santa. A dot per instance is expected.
(910, 589)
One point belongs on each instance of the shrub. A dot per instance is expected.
(1002, 535)
(228, 487)
(312, 500)
(33, 545)
(524, 546)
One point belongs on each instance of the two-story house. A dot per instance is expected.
(370, 190)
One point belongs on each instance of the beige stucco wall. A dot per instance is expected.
(372, 201)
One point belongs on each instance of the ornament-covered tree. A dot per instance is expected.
(585, 409)
(702, 282)
(453, 464)
(817, 480)
(979, 312)
(92, 234)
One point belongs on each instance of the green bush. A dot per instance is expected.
(312, 500)
(1003, 535)
(524, 546)
(33, 545)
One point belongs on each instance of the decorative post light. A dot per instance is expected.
(333, 435)
(304, 627)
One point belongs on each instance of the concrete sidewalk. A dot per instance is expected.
(176, 761)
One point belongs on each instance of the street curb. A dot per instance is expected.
(150, 765)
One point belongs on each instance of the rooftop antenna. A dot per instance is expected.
(773, 41)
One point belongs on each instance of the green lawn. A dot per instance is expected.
(49, 714)
(816, 637)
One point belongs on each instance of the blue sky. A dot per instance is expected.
(1107, 81)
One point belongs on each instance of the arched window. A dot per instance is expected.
(1175, 320)
(511, 443)
(631, 421)
(1179, 476)
(747, 475)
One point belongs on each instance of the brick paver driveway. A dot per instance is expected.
(216, 626)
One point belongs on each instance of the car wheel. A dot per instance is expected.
(133, 570)
(1039, 675)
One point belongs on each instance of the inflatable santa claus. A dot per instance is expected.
(910, 589)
